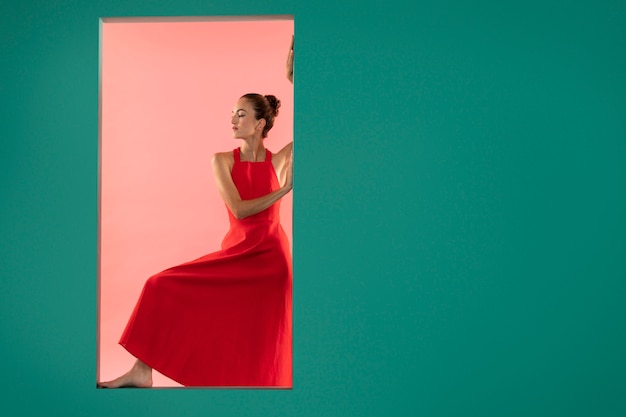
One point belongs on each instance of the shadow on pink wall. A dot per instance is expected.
(167, 91)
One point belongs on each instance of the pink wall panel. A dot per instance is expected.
(167, 93)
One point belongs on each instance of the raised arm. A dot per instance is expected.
(222, 164)
(283, 160)
(283, 164)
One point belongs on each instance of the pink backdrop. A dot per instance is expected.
(167, 93)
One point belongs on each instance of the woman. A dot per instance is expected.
(225, 319)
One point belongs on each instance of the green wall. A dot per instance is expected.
(459, 224)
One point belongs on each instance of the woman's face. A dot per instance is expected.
(243, 120)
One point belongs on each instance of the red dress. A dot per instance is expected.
(225, 318)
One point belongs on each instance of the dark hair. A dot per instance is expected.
(265, 107)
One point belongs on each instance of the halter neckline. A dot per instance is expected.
(268, 156)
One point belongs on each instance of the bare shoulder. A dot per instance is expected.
(221, 159)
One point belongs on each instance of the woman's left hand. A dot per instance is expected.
(289, 65)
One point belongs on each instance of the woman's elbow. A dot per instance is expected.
(239, 212)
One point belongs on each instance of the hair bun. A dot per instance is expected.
(274, 104)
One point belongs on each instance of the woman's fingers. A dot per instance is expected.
(289, 66)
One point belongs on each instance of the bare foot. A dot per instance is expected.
(140, 376)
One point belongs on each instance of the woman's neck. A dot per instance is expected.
(253, 149)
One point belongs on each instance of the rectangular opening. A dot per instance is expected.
(167, 89)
